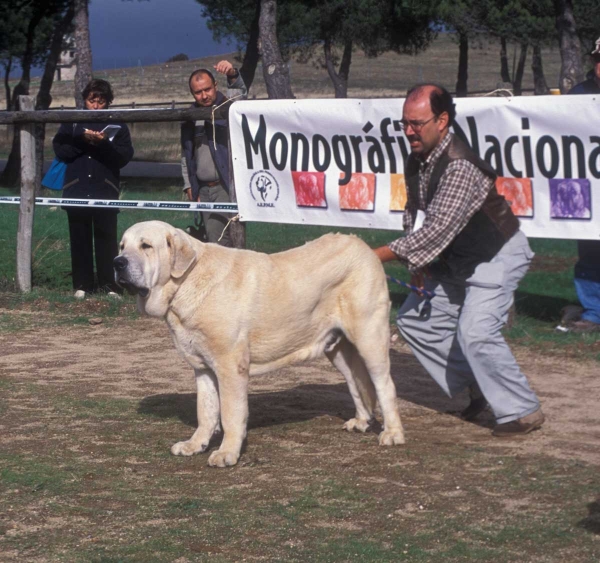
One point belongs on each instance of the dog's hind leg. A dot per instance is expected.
(346, 359)
(207, 409)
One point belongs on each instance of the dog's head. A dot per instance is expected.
(153, 254)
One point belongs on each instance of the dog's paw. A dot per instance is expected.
(356, 425)
(187, 448)
(223, 459)
(391, 437)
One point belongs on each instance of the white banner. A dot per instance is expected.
(340, 162)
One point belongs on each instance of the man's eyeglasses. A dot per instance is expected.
(416, 126)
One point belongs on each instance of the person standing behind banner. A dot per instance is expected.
(205, 149)
(94, 158)
(587, 268)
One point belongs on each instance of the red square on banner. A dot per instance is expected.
(518, 194)
(309, 188)
(358, 193)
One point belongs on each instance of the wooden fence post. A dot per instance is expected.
(27, 205)
(237, 228)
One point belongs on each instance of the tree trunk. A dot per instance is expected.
(83, 74)
(12, 170)
(275, 71)
(7, 69)
(504, 72)
(571, 71)
(518, 90)
(339, 79)
(44, 98)
(540, 87)
(463, 66)
(248, 68)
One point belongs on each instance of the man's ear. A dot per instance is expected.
(183, 254)
(443, 120)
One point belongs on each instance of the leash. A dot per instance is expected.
(235, 218)
(428, 295)
(215, 108)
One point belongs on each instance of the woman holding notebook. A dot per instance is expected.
(94, 154)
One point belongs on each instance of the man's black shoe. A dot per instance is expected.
(475, 407)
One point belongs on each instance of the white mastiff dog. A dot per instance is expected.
(233, 313)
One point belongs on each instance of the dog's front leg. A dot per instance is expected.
(207, 409)
(233, 394)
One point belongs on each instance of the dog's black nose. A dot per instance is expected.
(120, 263)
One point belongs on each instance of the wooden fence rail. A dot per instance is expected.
(26, 120)
(111, 115)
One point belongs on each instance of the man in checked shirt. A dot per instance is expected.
(463, 242)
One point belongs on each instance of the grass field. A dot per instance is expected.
(92, 397)
(88, 414)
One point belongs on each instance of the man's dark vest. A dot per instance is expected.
(489, 228)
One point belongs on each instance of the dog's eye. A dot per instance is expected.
(145, 246)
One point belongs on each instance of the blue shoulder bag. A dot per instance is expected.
(55, 177)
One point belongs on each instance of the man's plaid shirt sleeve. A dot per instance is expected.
(460, 194)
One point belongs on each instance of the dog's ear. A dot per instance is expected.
(183, 254)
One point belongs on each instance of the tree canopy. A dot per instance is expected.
(374, 26)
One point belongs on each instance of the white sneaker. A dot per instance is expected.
(114, 295)
(79, 294)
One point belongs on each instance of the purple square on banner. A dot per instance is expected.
(570, 198)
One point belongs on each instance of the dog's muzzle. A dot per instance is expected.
(120, 265)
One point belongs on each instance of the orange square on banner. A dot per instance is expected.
(358, 193)
(309, 188)
(397, 192)
(518, 194)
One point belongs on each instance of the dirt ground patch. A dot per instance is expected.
(88, 415)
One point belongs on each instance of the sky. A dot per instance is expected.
(131, 33)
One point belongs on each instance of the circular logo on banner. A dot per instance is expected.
(264, 188)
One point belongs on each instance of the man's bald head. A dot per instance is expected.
(440, 100)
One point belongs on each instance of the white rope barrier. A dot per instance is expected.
(129, 204)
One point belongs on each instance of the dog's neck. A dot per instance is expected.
(159, 300)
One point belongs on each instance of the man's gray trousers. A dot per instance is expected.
(215, 222)
(460, 342)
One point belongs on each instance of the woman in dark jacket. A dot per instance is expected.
(94, 159)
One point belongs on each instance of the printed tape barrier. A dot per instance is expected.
(130, 204)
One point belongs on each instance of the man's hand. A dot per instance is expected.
(417, 279)
(188, 192)
(385, 254)
(226, 68)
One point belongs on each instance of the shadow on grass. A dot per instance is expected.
(592, 522)
(540, 307)
(306, 402)
(299, 404)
